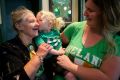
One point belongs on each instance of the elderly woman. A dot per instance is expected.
(18, 59)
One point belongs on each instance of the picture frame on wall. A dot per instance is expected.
(61, 8)
(68, 9)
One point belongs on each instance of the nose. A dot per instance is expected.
(37, 24)
(85, 13)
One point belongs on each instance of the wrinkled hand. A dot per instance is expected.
(64, 61)
(43, 49)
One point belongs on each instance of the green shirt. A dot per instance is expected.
(88, 57)
(52, 38)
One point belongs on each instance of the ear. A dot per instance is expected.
(50, 24)
(19, 26)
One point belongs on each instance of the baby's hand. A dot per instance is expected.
(61, 51)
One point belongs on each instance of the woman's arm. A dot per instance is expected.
(33, 65)
(111, 67)
(64, 38)
(109, 70)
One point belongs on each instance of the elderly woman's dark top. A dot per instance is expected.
(13, 56)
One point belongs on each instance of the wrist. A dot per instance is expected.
(40, 58)
(73, 68)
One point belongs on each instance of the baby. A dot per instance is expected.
(49, 32)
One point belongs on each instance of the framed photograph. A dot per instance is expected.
(68, 9)
(61, 8)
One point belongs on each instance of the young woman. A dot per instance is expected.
(93, 51)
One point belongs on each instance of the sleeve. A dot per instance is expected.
(11, 68)
(23, 75)
(69, 30)
(72, 29)
(20, 76)
(38, 40)
(117, 41)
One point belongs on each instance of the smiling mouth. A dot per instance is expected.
(87, 18)
(35, 29)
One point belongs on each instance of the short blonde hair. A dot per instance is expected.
(56, 22)
(19, 14)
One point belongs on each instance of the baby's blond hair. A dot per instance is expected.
(56, 22)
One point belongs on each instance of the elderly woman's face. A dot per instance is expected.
(29, 25)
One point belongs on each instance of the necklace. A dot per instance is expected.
(31, 50)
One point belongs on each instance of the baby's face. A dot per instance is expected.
(44, 23)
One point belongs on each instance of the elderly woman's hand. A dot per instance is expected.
(43, 49)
